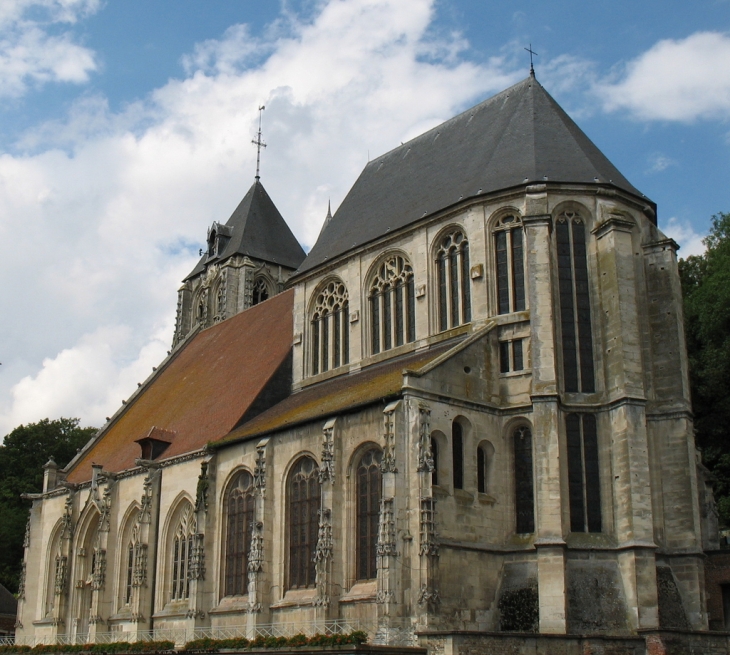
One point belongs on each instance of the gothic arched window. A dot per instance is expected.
(583, 473)
(182, 553)
(330, 346)
(392, 304)
(239, 516)
(260, 291)
(524, 492)
(303, 495)
(368, 512)
(452, 270)
(509, 258)
(575, 304)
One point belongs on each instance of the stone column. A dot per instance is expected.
(323, 550)
(61, 569)
(388, 593)
(258, 577)
(145, 551)
(99, 601)
(547, 447)
(427, 593)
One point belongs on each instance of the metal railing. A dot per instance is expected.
(399, 632)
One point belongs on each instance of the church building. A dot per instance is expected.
(461, 421)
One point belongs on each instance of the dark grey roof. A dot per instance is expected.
(518, 137)
(8, 603)
(257, 230)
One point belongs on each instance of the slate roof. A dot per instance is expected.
(203, 392)
(8, 603)
(259, 231)
(518, 137)
(341, 394)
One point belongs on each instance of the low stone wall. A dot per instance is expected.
(665, 642)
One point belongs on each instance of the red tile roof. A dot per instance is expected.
(340, 394)
(202, 392)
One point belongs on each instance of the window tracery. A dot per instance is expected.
(239, 519)
(452, 271)
(392, 304)
(575, 305)
(303, 495)
(368, 512)
(330, 328)
(260, 291)
(509, 259)
(182, 552)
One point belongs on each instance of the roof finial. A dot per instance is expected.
(329, 210)
(532, 52)
(259, 143)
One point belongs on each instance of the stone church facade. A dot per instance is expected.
(464, 416)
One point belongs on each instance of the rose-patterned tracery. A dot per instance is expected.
(330, 328)
(392, 304)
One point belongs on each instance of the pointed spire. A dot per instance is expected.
(329, 211)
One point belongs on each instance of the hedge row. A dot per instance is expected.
(297, 641)
(117, 647)
(206, 645)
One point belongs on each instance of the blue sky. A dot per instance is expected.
(125, 129)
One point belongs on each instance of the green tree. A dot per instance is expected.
(706, 288)
(22, 455)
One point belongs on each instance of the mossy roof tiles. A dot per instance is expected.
(203, 390)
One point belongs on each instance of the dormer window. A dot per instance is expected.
(155, 443)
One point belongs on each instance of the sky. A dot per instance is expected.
(126, 128)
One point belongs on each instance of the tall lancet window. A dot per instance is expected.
(510, 261)
(182, 553)
(524, 491)
(392, 304)
(304, 493)
(368, 513)
(330, 333)
(583, 473)
(239, 512)
(575, 304)
(452, 270)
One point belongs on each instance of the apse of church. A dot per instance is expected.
(466, 409)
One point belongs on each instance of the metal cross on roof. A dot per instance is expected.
(532, 52)
(258, 142)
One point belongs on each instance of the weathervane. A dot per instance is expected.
(259, 143)
(532, 52)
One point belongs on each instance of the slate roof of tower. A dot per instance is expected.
(201, 392)
(259, 231)
(518, 137)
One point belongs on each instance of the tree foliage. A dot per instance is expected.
(706, 288)
(22, 456)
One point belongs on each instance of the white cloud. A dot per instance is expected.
(87, 379)
(114, 220)
(690, 242)
(676, 80)
(31, 55)
(659, 162)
